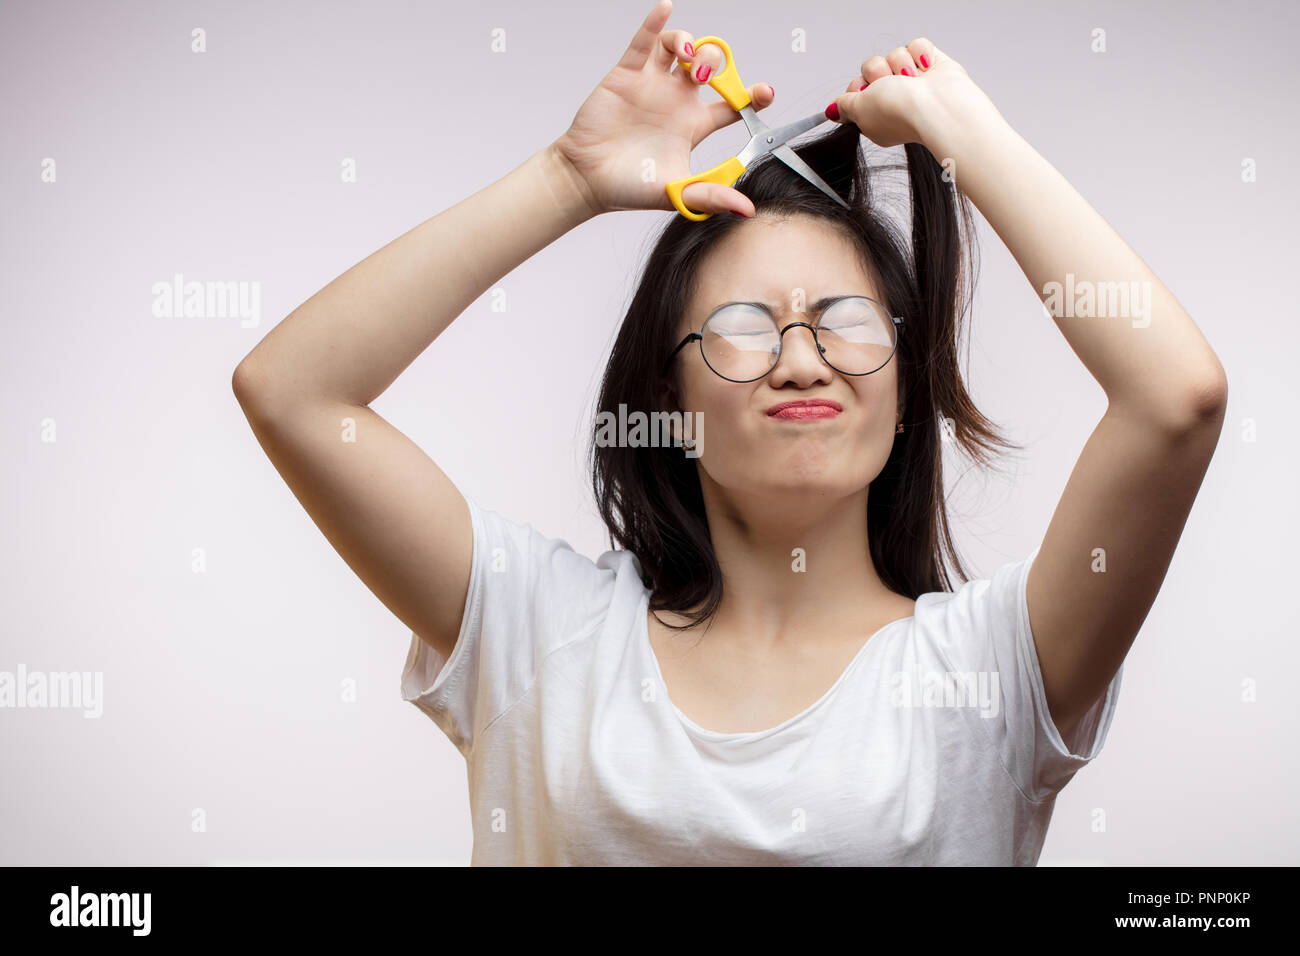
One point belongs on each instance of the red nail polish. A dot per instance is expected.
(925, 62)
(907, 71)
(690, 49)
(833, 112)
(702, 74)
(772, 88)
(862, 87)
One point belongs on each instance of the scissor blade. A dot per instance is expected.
(791, 159)
(764, 140)
(784, 134)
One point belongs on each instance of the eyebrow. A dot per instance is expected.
(820, 305)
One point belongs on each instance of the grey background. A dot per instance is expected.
(222, 689)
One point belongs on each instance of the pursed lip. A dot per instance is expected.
(805, 403)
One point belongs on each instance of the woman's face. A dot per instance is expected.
(744, 449)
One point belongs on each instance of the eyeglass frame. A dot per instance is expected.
(821, 350)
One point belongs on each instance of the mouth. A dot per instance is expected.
(804, 410)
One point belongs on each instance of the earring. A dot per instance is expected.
(899, 429)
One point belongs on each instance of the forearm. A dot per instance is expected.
(1123, 324)
(350, 340)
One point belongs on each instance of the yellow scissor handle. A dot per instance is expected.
(727, 83)
(730, 88)
(724, 174)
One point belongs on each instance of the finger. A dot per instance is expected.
(901, 62)
(853, 106)
(923, 52)
(704, 64)
(721, 114)
(711, 197)
(874, 68)
(647, 37)
(673, 45)
(934, 54)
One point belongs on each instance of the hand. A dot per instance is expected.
(642, 122)
(900, 97)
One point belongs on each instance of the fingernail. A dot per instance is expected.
(772, 88)
(862, 87)
(702, 74)
(925, 62)
(833, 112)
(690, 49)
(907, 71)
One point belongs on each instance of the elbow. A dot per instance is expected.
(248, 382)
(1207, 399)
(1196, 406)
(241, 382)
(1199, 408)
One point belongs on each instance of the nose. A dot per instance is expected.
(801, 361)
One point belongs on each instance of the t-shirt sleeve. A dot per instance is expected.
(987, 632)
(528, 594)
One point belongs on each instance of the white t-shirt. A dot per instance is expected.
(576, 755)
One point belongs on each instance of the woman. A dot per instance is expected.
(772, 669)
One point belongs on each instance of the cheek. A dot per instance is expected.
(723, 414)
(877, 400)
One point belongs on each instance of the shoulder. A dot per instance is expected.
(983, 621)
(997, 590)
(515, 560)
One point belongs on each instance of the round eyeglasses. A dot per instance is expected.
(741, 341)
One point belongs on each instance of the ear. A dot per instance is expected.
(666, 394)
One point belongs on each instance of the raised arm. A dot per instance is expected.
(1109, 543)
(384, 505)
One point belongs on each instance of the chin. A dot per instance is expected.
(809, 480)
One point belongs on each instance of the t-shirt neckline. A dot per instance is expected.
(643, 628)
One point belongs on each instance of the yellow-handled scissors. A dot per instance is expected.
(761, 139)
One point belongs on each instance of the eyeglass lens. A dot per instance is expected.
(742, 342)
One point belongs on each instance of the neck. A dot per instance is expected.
(796, 568)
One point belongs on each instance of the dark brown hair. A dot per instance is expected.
(650, 498)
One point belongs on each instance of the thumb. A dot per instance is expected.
(873, 109)
(712, 197)
(848, 107)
